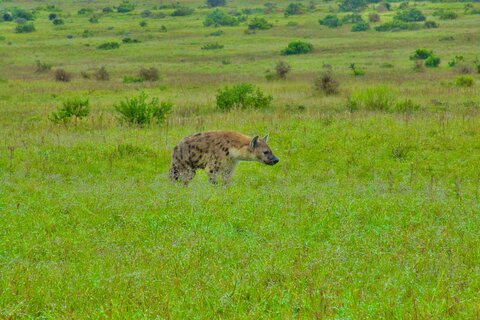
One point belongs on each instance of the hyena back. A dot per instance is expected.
(218, 152)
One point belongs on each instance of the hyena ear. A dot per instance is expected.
(266, 138)
(253, 143)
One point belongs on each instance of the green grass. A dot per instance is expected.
(369, 214)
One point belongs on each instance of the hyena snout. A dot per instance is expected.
(272, 160)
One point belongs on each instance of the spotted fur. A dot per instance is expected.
(218, 153)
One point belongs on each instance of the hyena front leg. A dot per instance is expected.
(186, 175)
(227, 173)
(212, 174)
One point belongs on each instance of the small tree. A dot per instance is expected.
(360, 26)
(77, 108)
(282, 68)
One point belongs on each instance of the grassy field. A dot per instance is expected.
(368, 215)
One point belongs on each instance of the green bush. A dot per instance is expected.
(84, 11)
(331, 21)
(25, 28)
(430, 25)
(42, 66)
(406, 106)
(212, 46)
(297, 47)
(77, 107)
(421, 54)
(464, 81)
(397, 25)
(52, 16)
(294, 9)
(242, 96)
(352, 5)
(20, 13)
(360, 26)
(445, 15)
(327, 83)
(58, 21)
(130, 40)
(139, 111)
(216, 3)
(259, 24)
(125, 7)
(378, 98)
(182, 11)
(432, 61)
(410, 15)
(109, 46)
(149, 74)
(220, 18)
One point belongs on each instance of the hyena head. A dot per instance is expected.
(262, 152)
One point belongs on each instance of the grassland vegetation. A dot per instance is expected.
(297, 47)
(76, 108)
(242, 96)
(142, 111)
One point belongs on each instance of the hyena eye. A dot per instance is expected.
(266, 152)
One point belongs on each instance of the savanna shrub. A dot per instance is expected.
(84, 11)
(259, 24)
(242, 96)
(220, 18)
(282, 69)
(216, 3)
(294, 9)
(130, 40)
(143, 24)
(464, 81)
(445, 15)
(397, 25)
(25, 28)
(139, 111)
(421, 54)
(150, 74)
(77, 107)
(107, 10)
(102, 74)
(58, 21)
(52, 16)
(432, 61)
(378, 98)
(109, 45)
(360, 26)
(182, 11)
(297, 47)
(125, 7)
(331, 21)
(373, 17)
(327, 83)
(42, 66)
(430, 25)
(212, 46)
(22, 14)
(410, 15)
(352, 5)
(352, 18)
(62, 75)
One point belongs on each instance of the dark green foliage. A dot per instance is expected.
(107, 10)
(125, 7)
(142, 24)
(242, 96)
(220, 18)
(410, 15)
(217, 33)
(52, 16)
(182, 11)
(352, 18)
(146, 14)
(25, 28)
(432, 61)
(93, 19)
(62, 75)
(455, 61)
(327, 83)
(212, 46)
(77, 108)
(149, 74)
(58, 21)
(297, 47)
(356, 72)
(331, 21)
(216, 3)
(20, 13)
(421, 54)
(87, 34)
(7, 16)
(397, 25)
(84, 11)
(109, 45)
(138, 111)
(294, 9)
(360, 26)
(430, 25)
(259, 24)
(352, 5)
(130, 40)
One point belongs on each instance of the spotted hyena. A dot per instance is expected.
(217, 152)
